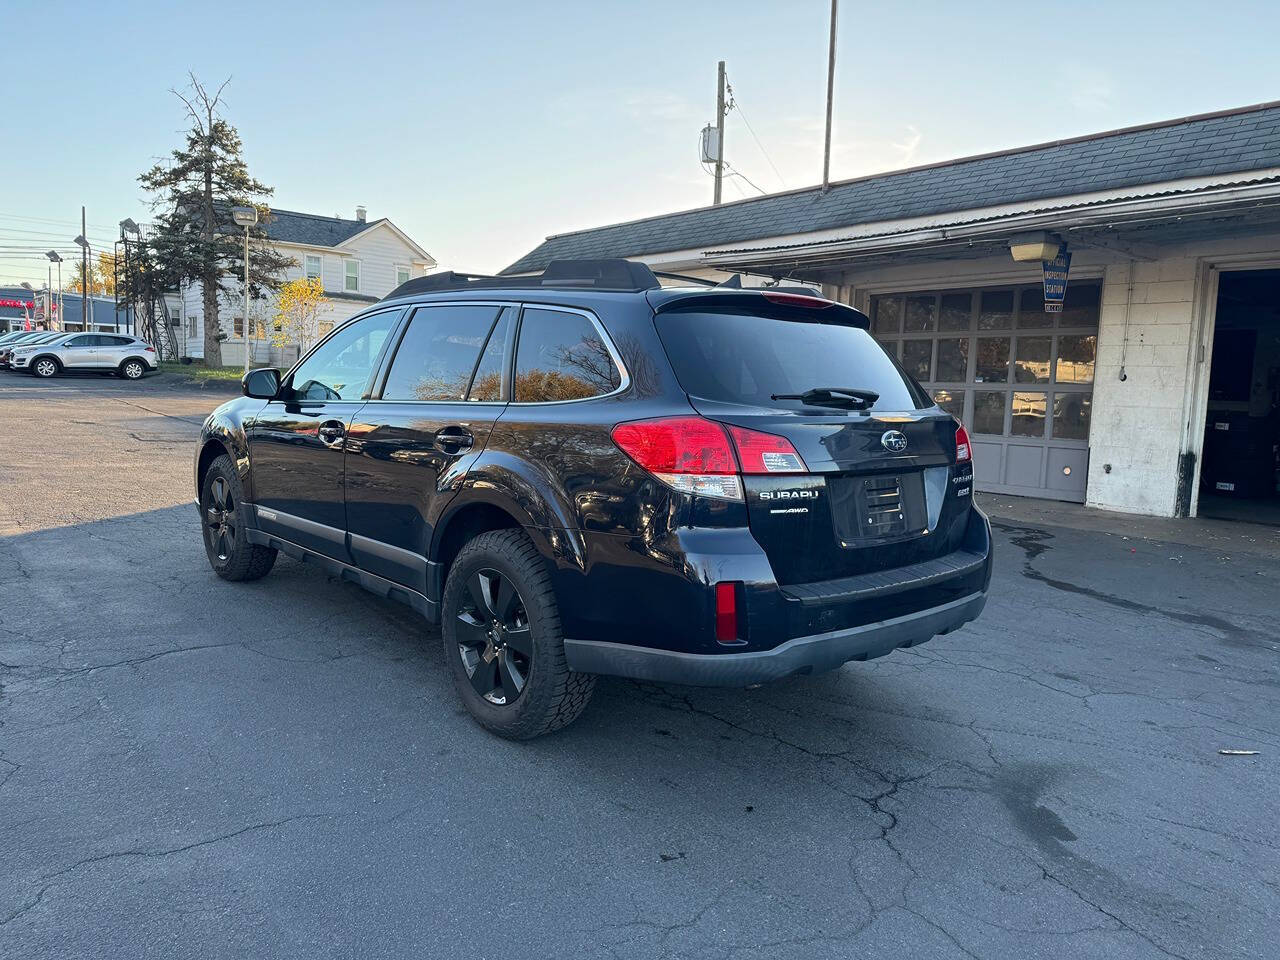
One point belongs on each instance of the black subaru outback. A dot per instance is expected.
(585, 473)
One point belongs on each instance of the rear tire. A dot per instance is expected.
(133, 369)
(46, 367)
(223, 519)
(503, 641)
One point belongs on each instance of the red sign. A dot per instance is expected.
(23, 304)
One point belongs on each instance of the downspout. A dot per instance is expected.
(1128, 305)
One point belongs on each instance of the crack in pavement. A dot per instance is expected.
(52, 879)
(1034, 542)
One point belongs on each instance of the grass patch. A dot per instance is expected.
(199, 371)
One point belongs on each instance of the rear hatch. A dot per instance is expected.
(880, 485)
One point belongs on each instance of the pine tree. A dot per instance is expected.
(196, 237)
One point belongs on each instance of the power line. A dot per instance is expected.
(765, 152)
(42, 233)
(735, 173)
(52, 220)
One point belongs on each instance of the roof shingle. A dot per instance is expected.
(1209, 144)
(289, 226)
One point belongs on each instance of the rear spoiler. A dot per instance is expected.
(783, 304)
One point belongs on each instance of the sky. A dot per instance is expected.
(481, 128)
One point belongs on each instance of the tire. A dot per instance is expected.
(552, 695)
(45, 367)
(133, 369)
(222, 520)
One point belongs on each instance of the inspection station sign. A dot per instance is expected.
(1055, 280)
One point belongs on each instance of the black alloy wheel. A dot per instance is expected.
(220, 519)
(494, 639)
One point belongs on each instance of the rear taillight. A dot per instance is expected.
(694, 455)
(149, 349)
(765, 453)
(964, 454)
(688, 453)
(726, 612)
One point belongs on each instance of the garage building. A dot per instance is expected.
(1155, 389)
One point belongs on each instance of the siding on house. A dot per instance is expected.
(376, 245)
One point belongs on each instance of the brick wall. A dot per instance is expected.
(1137, 431)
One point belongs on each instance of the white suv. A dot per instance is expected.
(128, 356)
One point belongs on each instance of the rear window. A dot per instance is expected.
(561, 357)
(741, 358)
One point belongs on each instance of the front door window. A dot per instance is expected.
(340, 368)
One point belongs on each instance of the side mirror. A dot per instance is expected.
(261, 384)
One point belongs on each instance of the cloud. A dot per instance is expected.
(658, 105)
(1087, 88)
(908, 146)
(854, 153)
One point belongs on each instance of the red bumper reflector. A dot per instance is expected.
(727, 612)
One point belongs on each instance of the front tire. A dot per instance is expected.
(223, 519)
(133, 370)
(503, 641)
(45, 367)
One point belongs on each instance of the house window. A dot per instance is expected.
(313, 266)
(351, 279)
(402, 274)
(237, 327)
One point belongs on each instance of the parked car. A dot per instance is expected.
(584, 473)
(24, 339)
(128, 356)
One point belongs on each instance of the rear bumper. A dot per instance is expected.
(802, 655)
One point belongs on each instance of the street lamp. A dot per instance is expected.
(83, 244)
(54, 258)
(127, 226)
(245, 217)
(26, 286)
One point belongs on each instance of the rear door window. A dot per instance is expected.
(438, 353)
(562, 356)
(743, 358)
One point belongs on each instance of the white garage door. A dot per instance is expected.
(1020, 379)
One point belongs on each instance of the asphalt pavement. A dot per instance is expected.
(191, 768)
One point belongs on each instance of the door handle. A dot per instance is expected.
(453, 439)
(332, 433)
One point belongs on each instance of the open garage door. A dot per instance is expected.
(1240, 458)
(1021, 379)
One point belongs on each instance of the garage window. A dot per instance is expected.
(1016, 375)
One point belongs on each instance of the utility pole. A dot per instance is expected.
(831, 89)
(719, 132)
(84, 277)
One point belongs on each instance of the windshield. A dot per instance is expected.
(741, 358)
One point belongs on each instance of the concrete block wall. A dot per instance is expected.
(1137, 431)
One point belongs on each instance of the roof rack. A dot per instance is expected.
(623, 275)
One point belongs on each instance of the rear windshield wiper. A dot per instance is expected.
(848, 398)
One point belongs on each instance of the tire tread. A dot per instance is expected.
(570, 691)
(253, 563)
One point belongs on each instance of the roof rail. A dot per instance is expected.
(572, 274)
(700, 281)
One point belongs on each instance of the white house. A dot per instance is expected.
(359, 262)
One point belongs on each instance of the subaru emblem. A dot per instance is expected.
(894, 441)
